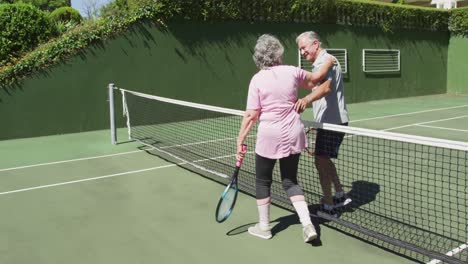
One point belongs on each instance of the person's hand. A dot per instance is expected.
(331, 60)
(300, 105)
(240, 154)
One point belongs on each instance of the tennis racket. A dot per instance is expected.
(228, 197)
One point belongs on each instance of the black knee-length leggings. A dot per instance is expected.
(264, 175)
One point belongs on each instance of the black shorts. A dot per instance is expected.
(328, 142)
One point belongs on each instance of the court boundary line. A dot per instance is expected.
(451, 253)
(410, 113)
(115, 174)
(427, 122)
(444, 128)
(88, 179)
(70, 160)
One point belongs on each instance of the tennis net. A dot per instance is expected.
(409, 193)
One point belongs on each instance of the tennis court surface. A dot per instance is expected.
(77, 198)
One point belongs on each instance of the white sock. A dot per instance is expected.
(303, 212)
(264, 216)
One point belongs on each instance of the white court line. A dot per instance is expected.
(71, 160)
(110, 155)
(88, 179)
(410, 113)
(417, 124)
(123, 153)
(451, 253)
(444, 128)
(201, 142)
(464, 246)
(108, 176)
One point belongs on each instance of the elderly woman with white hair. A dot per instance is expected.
(280, 135)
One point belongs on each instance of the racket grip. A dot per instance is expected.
(244, 150)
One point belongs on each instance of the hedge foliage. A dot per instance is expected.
(23, 27)
(66, 14)
(388, 17)
(391, 16)
(459, 22)
(44, 5)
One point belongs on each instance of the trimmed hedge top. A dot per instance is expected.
(66, 14)
(345, 12)
(459, 22)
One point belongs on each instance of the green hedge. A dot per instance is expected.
(391, 16)
(23, 27)
(459, 22)
(346, 12)
(66, 14)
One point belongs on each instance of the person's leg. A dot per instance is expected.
(326, 148)
(288, 168)
(264, 172)
(332, 174)
(322, 145)
(335, 139)
(340, 198)
(322, 163)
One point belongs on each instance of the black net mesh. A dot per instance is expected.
(406, 197)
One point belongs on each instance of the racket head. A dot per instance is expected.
(227, 201)
(229, 196)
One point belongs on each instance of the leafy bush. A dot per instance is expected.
(23, 28)
(390, 16)
(63, 27)
(45, 5)
(115, 8)
(66, 14)
(459, 22)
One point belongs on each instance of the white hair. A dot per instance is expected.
(268, 52)
(310, 36)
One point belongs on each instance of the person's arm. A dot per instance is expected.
(317, 93)
(313, 79)
(249, 119)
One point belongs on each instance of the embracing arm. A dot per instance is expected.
(249, 119)
(312, 79)
(317, 93)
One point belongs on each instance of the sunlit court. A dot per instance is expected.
(125, 201)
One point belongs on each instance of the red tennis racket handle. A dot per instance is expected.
(244, 150)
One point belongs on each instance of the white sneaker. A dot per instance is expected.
(258, 232)
(309, 233)
(342, 201)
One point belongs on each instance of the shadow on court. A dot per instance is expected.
(279, 224)
(239, 230)
(361, 193)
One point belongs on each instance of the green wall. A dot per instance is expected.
(457, 73)
(206, 63)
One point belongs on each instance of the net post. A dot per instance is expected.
(113, 131)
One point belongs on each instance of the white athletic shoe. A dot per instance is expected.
(309, 233)
(258, 232)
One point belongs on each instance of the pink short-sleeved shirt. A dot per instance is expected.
(274, 91)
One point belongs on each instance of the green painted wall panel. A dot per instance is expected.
(206, 63)
(457, 75)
